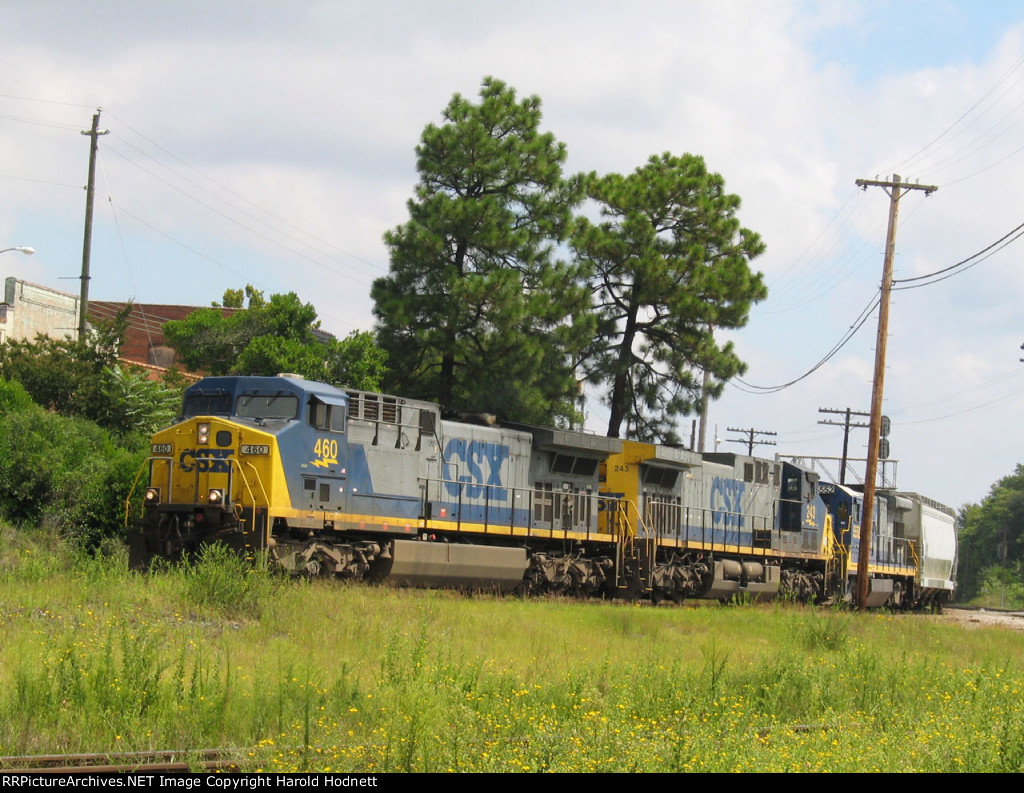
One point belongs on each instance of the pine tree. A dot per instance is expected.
(476, 312)
(670, 265)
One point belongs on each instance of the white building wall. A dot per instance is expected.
(29, 309)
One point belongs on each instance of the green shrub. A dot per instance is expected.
(223, 582)
(13, 397)
(66, 474)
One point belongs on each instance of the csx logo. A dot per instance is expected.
(726, 501)
(205, 461)
(474, 457)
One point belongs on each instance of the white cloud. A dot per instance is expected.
(312, 112)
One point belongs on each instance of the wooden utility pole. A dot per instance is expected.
(895, 189)
(846, 434)
(703, 410)
(83, 302)
(705, 384)
(751, 443)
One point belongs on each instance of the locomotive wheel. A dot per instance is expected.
(312, 568)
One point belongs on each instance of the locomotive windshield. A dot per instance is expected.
(264, 406)
(207, 404)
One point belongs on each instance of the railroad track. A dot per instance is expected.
(114, 762)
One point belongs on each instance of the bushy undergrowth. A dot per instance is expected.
(330, 677)
(63, 473)
(223, 582)
(1001, 587)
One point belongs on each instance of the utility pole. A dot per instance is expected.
(895, 189)
(703, 411)
(751, 443)
(705, 384)
(846, 434)
(83, 302)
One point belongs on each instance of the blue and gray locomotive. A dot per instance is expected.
(364, 485)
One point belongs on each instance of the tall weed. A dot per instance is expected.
(825, 629)
(221, 581)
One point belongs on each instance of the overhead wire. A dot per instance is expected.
(39, 123)
(39, 181)
(963, 264)
(46, 101)
(781, 277)
(956, 395)
(989, 167)
(979, 143)
(785, 297)
(966, 411)
(850, 333)
(237, 222)
(238, 195)
(906, 163)
(124, 250)
(187, 247)
(245, 276)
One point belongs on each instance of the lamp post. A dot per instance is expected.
(20, 249)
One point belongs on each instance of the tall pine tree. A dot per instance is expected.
(477, 313)
(670, 265)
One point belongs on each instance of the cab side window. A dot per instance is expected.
(327, 418)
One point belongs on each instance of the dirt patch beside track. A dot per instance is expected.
(980, 618)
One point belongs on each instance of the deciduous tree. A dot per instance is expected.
(272, 336)
(992, 538)
(83, 377)
(476, 311)
(670, 265)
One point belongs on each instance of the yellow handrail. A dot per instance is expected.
(247, 487)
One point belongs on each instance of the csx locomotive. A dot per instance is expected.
(364, 485)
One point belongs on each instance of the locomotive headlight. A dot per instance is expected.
(216, 497)
(203, 433)
(153, 495)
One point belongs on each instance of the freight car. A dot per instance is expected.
(370, 486)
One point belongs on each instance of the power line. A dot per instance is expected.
(920, 152)
(850, 333)
(751, 440)
(1018, 230)
(46, 101)
(238, 195)
(241, 225)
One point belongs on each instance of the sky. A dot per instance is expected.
(273, 143)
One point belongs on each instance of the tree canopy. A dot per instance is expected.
(84, 378)
(991, 550)
(272, 336)
(477, 312)
(670, 265)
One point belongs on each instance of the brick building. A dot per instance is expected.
(144, 339)
(30, 309)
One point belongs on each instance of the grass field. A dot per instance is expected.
(322, 677)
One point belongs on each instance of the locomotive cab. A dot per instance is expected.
(214, 474)
(802, 511)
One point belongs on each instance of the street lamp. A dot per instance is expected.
(20, 249)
